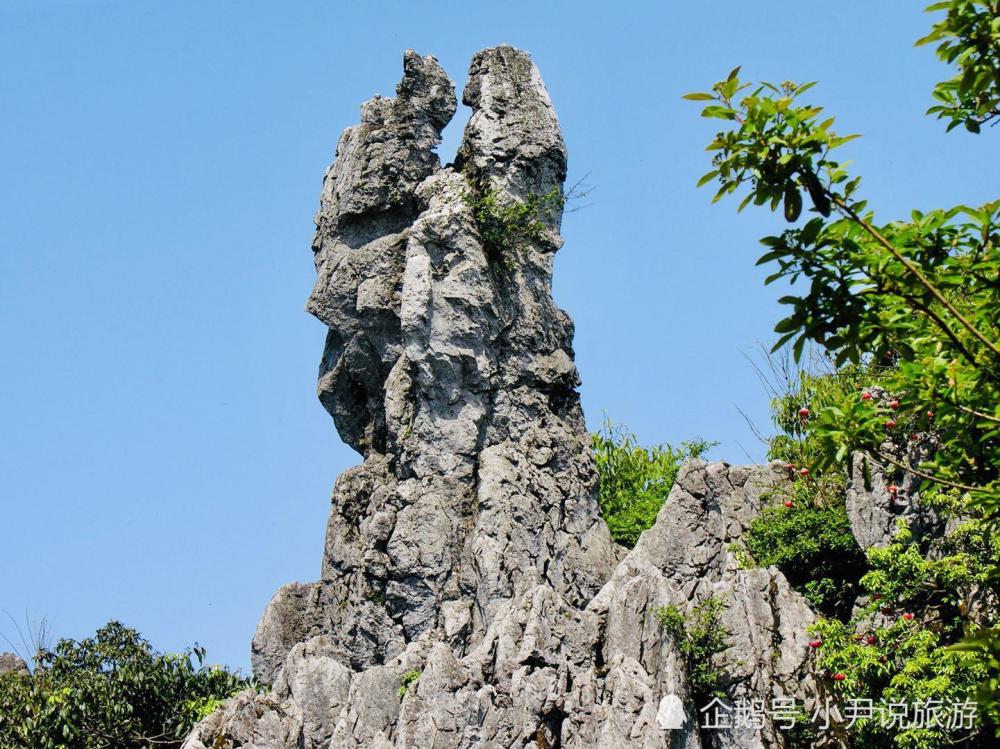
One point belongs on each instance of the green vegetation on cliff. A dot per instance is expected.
(636, 480)
(912, 306)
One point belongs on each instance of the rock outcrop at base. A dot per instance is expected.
(470, 594)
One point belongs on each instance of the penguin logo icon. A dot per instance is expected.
(670, 716)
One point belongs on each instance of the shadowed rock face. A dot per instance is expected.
(468, 545)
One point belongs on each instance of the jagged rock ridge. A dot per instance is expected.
(11, 663)
(468, 546)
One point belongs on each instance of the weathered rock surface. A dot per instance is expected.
(872, 509)
(548, 673)
(453, 377)
(874, 512)
(685, 557)
(470, 595)
(10, 663)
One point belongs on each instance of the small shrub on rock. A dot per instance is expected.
(507, 225)
(700, 636)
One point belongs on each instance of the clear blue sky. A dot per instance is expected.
(163, 458)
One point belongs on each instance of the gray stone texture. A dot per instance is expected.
(12, 664)
(873, 510)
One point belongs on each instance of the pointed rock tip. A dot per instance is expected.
(512, 140)
(427, 87)
(507, 62)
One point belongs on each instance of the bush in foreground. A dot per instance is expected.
(111, 690)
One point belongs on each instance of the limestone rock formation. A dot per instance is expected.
(684, 557)
(10, 663)
(874, 511)
(452, 375)
(470, 594)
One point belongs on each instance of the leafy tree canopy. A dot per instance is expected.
(912, 304)
(110, 690)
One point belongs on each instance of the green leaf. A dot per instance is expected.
(783, 340)
(839, 141)
(719, 112)
(933, 36)
(786, 325)
(793, 203)
(708, 177)
(797, 348)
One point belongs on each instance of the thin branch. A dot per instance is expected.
(944, 327)
(160, 739)
(577, 191)
(913, 269)
(929, 477)
(765, 382)
(972, 411)
(753, 427)
(750, 457)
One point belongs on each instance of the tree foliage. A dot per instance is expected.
(896, 616)
(813, 545)
(899, 647)
(969, 38)
(913, 304)
(635, 480)
(922, 294)
(110, 690)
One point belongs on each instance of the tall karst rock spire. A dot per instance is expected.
(450, 372)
